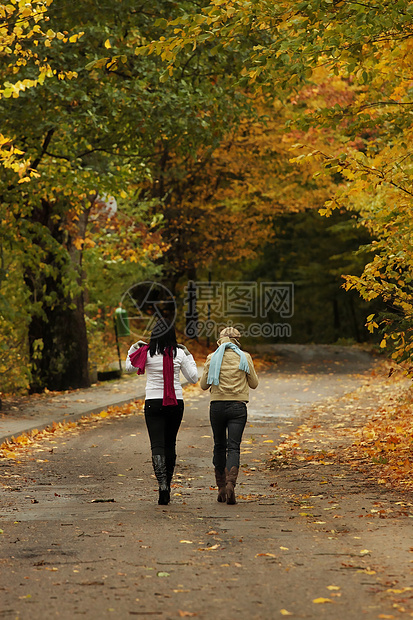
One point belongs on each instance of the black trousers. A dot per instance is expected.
(163, 424)
(228, 419)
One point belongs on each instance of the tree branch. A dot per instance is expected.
(379, 103)
(46, 143)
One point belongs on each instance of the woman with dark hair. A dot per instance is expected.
(163, 359)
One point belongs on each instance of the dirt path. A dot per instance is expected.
(306, 540)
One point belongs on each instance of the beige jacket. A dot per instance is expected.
(234, 383)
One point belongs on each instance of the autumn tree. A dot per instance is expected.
(24, 40)
(209, 214)
(366, 47)
(117, 129)
(82, 140)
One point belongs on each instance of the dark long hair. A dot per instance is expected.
(163, 335)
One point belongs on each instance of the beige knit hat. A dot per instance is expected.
(231, 332)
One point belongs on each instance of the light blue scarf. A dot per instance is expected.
(216, 361)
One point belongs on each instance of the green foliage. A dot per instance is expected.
(14, 319)
(287, 40)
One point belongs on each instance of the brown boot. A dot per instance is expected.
(221, 481)
(231, 476)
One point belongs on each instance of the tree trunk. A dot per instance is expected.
(62, 362)
(57, 332)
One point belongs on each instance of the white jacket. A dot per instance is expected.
(154, 372)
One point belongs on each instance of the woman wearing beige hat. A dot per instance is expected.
(229, 373)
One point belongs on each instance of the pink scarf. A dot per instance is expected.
(138, 360)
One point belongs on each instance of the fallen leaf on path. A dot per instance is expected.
(188, 542)
(284, 612)
(381, 444)
(100, 501)
(186, 614)
(269, 555)
(333, 588)
(322, 600)
(8, 454)
(22, 444)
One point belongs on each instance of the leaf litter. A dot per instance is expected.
(370, 430)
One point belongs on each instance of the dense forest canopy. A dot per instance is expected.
(241, 140)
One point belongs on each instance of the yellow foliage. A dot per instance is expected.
(20, 34)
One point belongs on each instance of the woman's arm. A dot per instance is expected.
(189, 369)
(252, 376)
(128, 363)
(204, 384)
